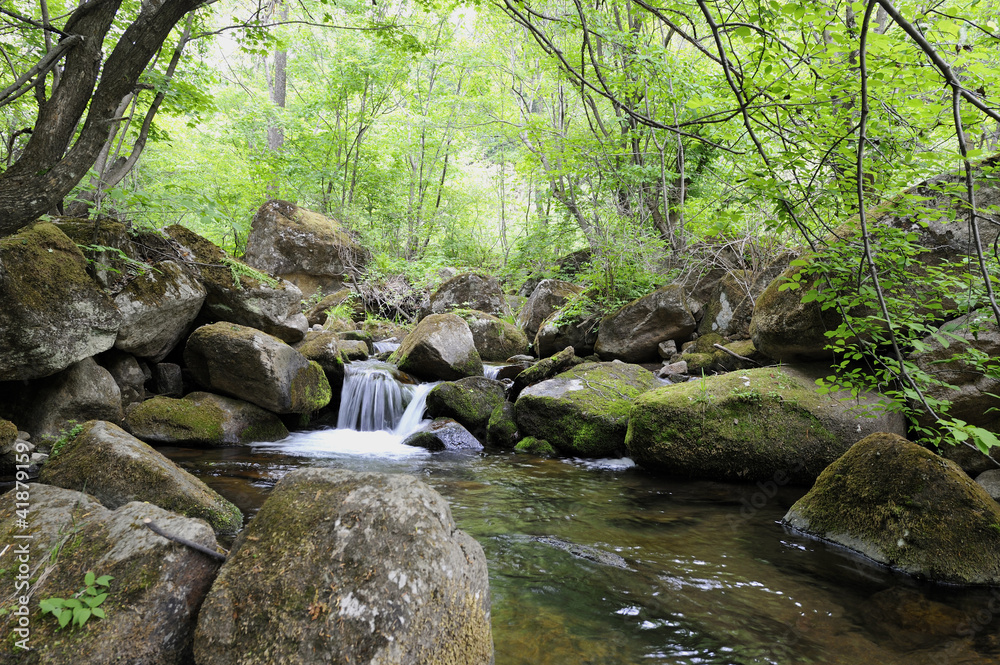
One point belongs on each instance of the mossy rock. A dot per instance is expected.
(116, 468)
(533, 446)
(495, 339)
(203, 419)
(788, 330)
(501, 430)
(346, 567)
(323, 346)
(152, 601)
(748, 426)
(440, 348)
(470, 401)
(543, 370)
(583, 411)
(53, 313)
(903, 506)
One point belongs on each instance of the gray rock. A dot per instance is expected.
(53, 314)
(990, 481)
(549, 296)
(154, 595)
(168, 379)
(116, 468)
(468, 291)
(158, 307)
(788, 330)
(634, 332)
(344, 567)
(495, 339)
(668, 349)
(673, 369)
(258, 368)
(237, 296)
(470, 401)
(323, 346)
(313, 252)
(354, 349)
(203, 419)
(560, 330)
(440, 348)
(128, 375)
(444, 434)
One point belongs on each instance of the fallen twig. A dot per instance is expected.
(152, 526)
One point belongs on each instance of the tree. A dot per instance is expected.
(77, 109)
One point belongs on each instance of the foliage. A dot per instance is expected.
(240, 269)
(65, 436)
(84, 604)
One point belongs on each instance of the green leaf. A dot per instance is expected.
(64, 618)
(98, 612)
(80, 615)
(94, 602)
(103, 580)
(89, 578)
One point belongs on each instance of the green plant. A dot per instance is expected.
(238, 269)
(141, 267)
(84, 604)
(65, 436)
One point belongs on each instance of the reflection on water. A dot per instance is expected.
(603, 563)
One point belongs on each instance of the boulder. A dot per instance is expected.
(563, 329)
(533, 446)
(156, 588)
(752, 426)
(346, 567)
(353, 349)
(634, 332)
(203, 419)
(440, 348)
(168, 379)
(358, 336)
(323, 347)
(253, 366)
(318, 313)
(972, 392)
(309, 250)
(566, 267)
(703, 354)
(468, 291)
(495, 339)
(50, 406)
(990, 481)
(443, 434)
(542, 370)
(117, 468)
(158, 307)
(583, 411)
(128, 375)
(470, 401)
(788, 330)
(903, 506)
(501, 430)
(240, 294)
(726, 311)
(549, 296)
(53, 314)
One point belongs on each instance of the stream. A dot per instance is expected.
(600, 562)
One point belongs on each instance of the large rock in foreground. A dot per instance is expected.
(239, 294)
(117, 468)
(309, 250)
(440, 348)
(153, 599)
(901, 505)
(256, 367)
(345, 567)
(758, 425)
(583, 411)
(53, 314)
(203, 419)
(634, 332)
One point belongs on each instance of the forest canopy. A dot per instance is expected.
(660, 136)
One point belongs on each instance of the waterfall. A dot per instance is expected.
(373, 399)
(492, 371)
(385, 346)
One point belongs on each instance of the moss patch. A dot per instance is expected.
(535, 446)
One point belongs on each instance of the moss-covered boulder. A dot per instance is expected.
(533, 446)
(440, 348)
(345, 567)
(443, 434)
(313, 252)
(238, 293)
(468, 291)
(634, 332)
(470, 401)
(903, 506)
(547, 297)
(53, 314)
(116, 468)
(354, 349)
(705, 354)
(47, 407)
(501, 430)
(203, 419)
(323, 346)
(495, 339)
(788, 330)
(751, 426)
(152, 600)
(583, 411)
(256, 367)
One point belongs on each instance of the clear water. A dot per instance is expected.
(604, 563)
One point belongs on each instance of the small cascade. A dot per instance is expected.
(492, 371)
(386, 346)
(373, 399)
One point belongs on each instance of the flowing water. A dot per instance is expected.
(600, 562)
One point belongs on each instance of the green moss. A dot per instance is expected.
(469, 401)
(58, 268)
(178, 420)
(310, 389)
(8, 433)
(535, 446)
(501, 430)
